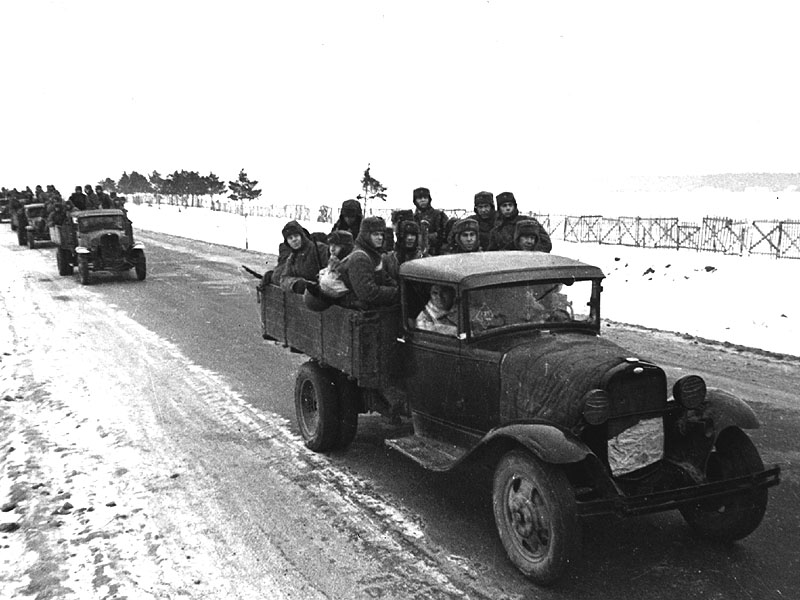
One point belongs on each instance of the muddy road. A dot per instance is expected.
(148, 449)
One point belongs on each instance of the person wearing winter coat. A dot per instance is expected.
(485, 215)
(502, 235)
(363, 272)
(440, 314)
(305, 261)
(77, 199)
(465, 236)
(406, 247)
(435, 220)
(526, 236)
(350, 217)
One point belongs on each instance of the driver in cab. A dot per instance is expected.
(440, 314)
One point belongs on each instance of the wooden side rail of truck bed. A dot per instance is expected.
(361, 344)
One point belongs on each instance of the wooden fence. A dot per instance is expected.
(780, 239)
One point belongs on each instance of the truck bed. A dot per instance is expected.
(362, 344)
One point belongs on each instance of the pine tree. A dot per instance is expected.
(243, 188)
(372, 189)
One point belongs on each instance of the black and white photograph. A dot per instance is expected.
(472, 299)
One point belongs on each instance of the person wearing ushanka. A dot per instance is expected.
(465, 236)
(350, 217)
(526, 235)
(502, 235)
(306, 260)
(363, 271)
(406, 247)
(485, 215)
(434, 218)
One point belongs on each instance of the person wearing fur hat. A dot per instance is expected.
(485, 215)
(526, 235)
(305, 261)
(465, 236)
(502, 235)
(406, 247)
(350, 217)
(363, 271)
(435, 220)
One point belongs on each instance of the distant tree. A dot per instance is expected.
(138, 184)
(157, 182)
(214, 186)
(371, 188)
(124, 183)
(243, 188)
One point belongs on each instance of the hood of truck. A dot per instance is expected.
(547, 377)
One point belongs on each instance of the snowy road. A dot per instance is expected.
(147, 453)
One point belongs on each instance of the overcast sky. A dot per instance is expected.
(457, 96)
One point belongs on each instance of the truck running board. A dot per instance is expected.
(431, 454)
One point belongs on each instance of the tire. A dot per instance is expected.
(734, 455)
(349, 397)
(22, 236)
(536, 516)
(63, 261)
(317, 407)
(31, 241)
(140, 266)
(83, 270)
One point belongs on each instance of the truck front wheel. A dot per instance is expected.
(22, 236)
(63, 261)
(83, 269)
(317, 407)
(536, 516)
(734, 455)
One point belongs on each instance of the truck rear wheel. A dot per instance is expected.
(63, 261)
(317, 407)
(536, 516)
(22, 236)
(83, 269)
(31, 240)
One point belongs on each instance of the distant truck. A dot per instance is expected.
(97, 240)
(35, 226)
(572, 424)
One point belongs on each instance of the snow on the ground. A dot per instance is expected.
(745, 301)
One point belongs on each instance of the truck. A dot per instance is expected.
(97, 240)
(35, 225)
(571, 424)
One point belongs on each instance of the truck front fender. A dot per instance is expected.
(726, 410)
(547, 442)
(82, 250)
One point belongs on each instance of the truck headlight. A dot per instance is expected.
(596, 407)
(690, 391)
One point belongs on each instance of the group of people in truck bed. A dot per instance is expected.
(357, 264)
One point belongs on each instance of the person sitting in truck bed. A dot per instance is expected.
(407, 247)
(306, 260)
(440, 314)
(368, 282)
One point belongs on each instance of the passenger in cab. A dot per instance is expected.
(440, 314)
(368, 282)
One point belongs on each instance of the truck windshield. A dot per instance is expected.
(36, 211)
(96, 223)
(540, 305)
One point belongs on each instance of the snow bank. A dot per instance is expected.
(745, 301)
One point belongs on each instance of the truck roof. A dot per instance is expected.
(479, 269)
(98, 212)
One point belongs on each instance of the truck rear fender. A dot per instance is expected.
(546, 442)
(137, 246)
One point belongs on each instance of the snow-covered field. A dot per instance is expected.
(745, 301)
